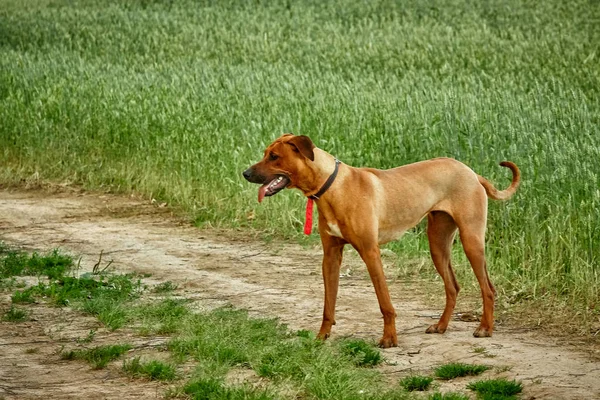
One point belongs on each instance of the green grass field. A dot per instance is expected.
(175, 99)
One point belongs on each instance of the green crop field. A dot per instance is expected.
(174, 99)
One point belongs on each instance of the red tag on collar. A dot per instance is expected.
(309, 217)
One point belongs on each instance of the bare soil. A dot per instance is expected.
(277, 279)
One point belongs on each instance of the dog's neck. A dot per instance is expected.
(322, 167)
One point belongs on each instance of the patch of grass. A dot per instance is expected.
(15, 314)
(162, 318)
(498, 389)
(448, 396)
(362, 353)
(18, 263)
(416, 383)
(455, 370)
(99, 356)
(224, 338)
(22, 296)
(215, 389)
(89, 338)
(165, 287)
(104, 296)
(32, 350)
(7, 283)
(152, 370)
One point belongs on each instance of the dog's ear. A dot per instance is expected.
(304, 146)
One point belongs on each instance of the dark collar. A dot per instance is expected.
(327, 183)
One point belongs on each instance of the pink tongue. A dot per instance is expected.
(261, 192)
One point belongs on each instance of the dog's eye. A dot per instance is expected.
(273, 156)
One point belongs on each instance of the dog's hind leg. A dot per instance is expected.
(441, 229)
(473, 241)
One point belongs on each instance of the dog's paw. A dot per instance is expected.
(387, 342)
(323, 335)
(482, 332)
(436, 328)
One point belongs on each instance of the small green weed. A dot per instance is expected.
(448, 396)
(162, 318)
(416, 383)
(88, 339)
(165, 287)
(15, 315)
(362, 353)
(214, 389)
(99, 357)
(8, 283)
(303, 333)
(18, 263)
(153, 370)
(22, 296)
(498, 389)
(455, 370)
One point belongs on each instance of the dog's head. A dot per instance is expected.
(283, 163)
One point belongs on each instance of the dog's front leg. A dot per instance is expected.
(332, 260)
(372, 257)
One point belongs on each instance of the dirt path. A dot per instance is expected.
(274, 280)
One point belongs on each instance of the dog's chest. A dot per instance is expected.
(334, 230)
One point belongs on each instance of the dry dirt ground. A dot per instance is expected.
(215, 268)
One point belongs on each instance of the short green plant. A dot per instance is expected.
(416, 383)
(103, 296)
(15, 314)
(448, 396)
(89, 338)
(153, 370)
(18, 263)
(23, 296)
(455, 370)
(362, 353)
(215, 389)
(162, 317)
(165, 287)
(498, 389)
(99, 356)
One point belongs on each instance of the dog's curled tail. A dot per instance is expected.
(505, 194)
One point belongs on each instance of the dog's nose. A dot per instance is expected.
(247, 174)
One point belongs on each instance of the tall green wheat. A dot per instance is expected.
(175, 99)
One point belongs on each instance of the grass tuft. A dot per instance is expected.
(165, 287)
(215, 389)
(99, 356)
(416, 383)
(152, 370)
(455, 370)
(362, 353)
(17, 263)
(15, 315)
(497, 389)
(449, 396)
(161, 318)
(22, 296)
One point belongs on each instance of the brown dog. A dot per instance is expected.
(367, 207)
